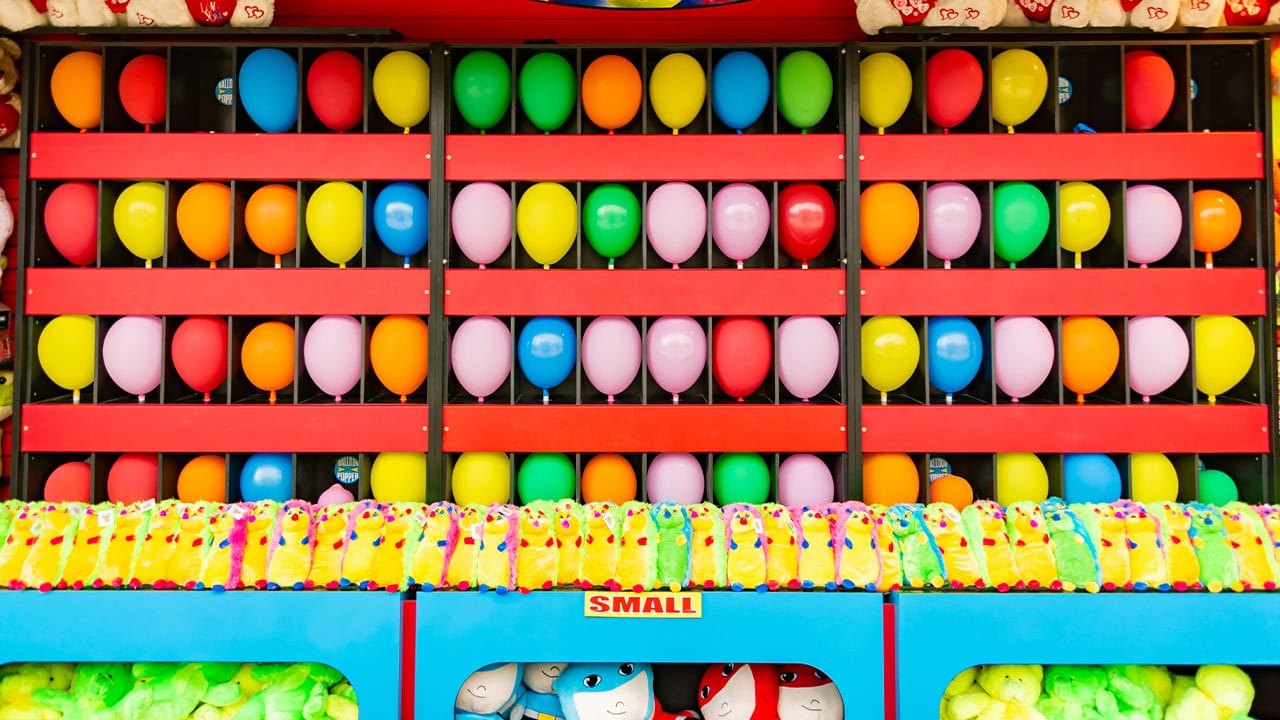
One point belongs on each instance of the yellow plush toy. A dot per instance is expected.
(600, 551)
(944, 523)
(536, 557)
(364, 536)
(123, 545)
(194, 536)
(331, 543)
(496, 559)
(1175, 537)
(157, 546)
(817, 550)
(17, 545)
(569, 542)
(1147, 567)
(54, 537)
(1216, 692)
(435, 548)
(782, 542)
(258, 530)
(89, 546)
(20, 681)
(461, 570)
(388, 565)
(292, 547)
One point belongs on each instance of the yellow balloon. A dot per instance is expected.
(482, 478)
(1020, 477)
(1224, 353)
(139, 218)
(66, 351)
(677, 90)
(1153, 478)
(1084, 215)
(1018, 85)
(335, 221)
(399, 477)
(1275, 126)
(890, 352)
(402, 88)
(547, 222)
(884, 83)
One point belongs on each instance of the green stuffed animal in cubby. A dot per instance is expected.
(20, 682)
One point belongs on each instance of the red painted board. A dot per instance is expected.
(644, 292)
(1062, 156)
(224, 291)
(229, 156)
(223, 428)
(1030, 291)
(645, 157)
(1067, 428)
(645, 428)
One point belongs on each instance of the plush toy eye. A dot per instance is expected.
(591, 680)
(787, 677)
(626, 669)
(727, 670)
(705, 692)
(819, 674)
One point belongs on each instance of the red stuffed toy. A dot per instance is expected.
(806, 693)
(739, 692)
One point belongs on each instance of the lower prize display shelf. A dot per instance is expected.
(357, 633)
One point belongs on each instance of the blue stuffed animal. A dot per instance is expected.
(610, 691)
(488, 693)
(538, 700)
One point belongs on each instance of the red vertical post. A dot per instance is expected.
(408, 651)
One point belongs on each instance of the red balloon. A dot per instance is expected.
(806, 220)
(1148, 89)
(71, 221)
(143, 89)
(211, 13)
(742, 353)
(69, 482)
(335, 89)
(953, 87)
(200, 353)
(134, 477)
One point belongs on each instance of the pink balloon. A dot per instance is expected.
(335, 495)
(677, 353)
(1023, 355)
(953, 217)
(1158, 354)
(133, 354)
(739, 220)
(804, 480)
(481, 355)
(332, 354)
(1152, 223)
(676, 221)
(482, 222)
(808, 355)
(675, 477)
(611, 354)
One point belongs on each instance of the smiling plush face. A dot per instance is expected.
(539, 677)
(488, 690)
(806, 693)
(738, 692)
(606, 691)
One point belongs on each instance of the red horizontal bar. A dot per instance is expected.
(224, 428)
(1062, 156)
(645, 428)
(229, 156)
(644, 292)
(1067, 428)
(645, 157)
(1030, 291)
(224, 291)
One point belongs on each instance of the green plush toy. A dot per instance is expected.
(1077, 692)
(341, 703)
(674, 540)
(1073, 548)
(1141, 691)
(1012, 683)
(290, 692)
(1219, 569)
(1001, 692)
(20, 682)
(921, 562)
(96, 687)
(960, 684)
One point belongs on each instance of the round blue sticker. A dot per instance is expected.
(938, 467)
(347, 470)
(1064, 90)
(225, 91)
(1195, 88)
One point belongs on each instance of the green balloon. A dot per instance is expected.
(804, 89)
(546, 476)
(740, 478)
(1021, 220)
(482, 89)
(611, 220)
(1217, 488)
(548, 90)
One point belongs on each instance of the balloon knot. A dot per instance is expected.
(481, 267)
(208, 397)
(675, 266)
(946, 264)
(1146, 399)
(404, 399)
(1015, 401)
(480, 400)
(739, 264)
(337, 398)
(950, 399)
(610, 399)
(675, 398)
(742, 399)
(804, 266)
(142, 399)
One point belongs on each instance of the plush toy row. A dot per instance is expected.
(1158, 15)
(174, 691)
(637, 546)
(20, 15)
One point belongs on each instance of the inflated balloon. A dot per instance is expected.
(890, 353)
(481, 478)
(953, 87)
(1020, 477)
(267, 476)
(1152, 223)
(76, 87)
(739, 89)
(133, 354)
(742, 355)
(1152, 478)
(399, 477)
(71, 222)
(608, 478)
(335, 221)
(884, 88)
(677, 353)
(952, 490)
(331, 353)
(1022, 355)
(398, 354)
(806, 221)
(203, 479)
(740, 477)
(271, 220)
(1215, 222)
(805, 89)
(611, 92)
(546, 476)
(547, 222)
(955, 353)
(268, 86)
(675, 477)
(69, 482)
(808, 355)
(139, 219)
(335, 90)
(482, 89)
(675, 221)
(401, 219)
(1018, 86)
(889, 218)
(1158, 354)
(143, 90)
(1216, 488)
(134, 478)
(480, 355)
(889, 479)
(1149, 88)
(1084, 216)
(611, 220)
(267, 357)
(65, 350)
(204, 221)
(739, 221)
(611, 350)
(199, 352)
(805, 480)
(1090, 354)
(548, 90)
(481, 222)
(953, 219)
(1225, 353)
(402, 88)
(677, 90)
(1090, 478)
(1020, 220)
(547, 352)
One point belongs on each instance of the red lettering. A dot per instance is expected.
(686, 604)
(670, 605)
(599, 604)
(652, 605)
(626, 604)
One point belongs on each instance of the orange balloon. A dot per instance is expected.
(889, 479)
(890, 219)
(611, 92)
(76, 87)
(1090, 354)
(608, 477)
(1215, 221)
(203, 479)
(398, 352)
(267, 357)
(204, 221)
(952, 490)
(271, 219)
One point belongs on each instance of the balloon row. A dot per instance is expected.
(890, 219)
(1023, 354)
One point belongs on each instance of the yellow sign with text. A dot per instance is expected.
(642, 605)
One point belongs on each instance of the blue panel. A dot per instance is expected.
(940, 635)
(355, 633)
(840, 633)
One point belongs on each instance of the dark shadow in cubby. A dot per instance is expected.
(177, 391)
(913, 120)
(40, 466)
(768, 117)
(701, 123)
(202, 92)
(46, 115)
(636, 57)
(1176, 56)
(374, 391)
(1096, 98)
(244, 392)
(375, 121)
(458, 260)
(244, 123)
(308, 120)
(766, 256)
(832, 253)
(570, 259)
(457, 124)
(635, 257)
(111, 251)
(114, 60)
(1050, 391)
(916, 390)
(376, 252)
(235, 465)
(1109, 253)
(978, 469)
(523, 125)
(171, 465)
(1245, 250)
(566, 393)
(308, 254)
(1228, 94)
(978, 392)
(831, 121)
(980, 254)
(1248, 472)
(315, 473)
(1187, 468)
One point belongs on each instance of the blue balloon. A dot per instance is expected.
(955, 353)
(268, 88)
(1090, 478)
(267, 476)
(739, 89)
(547, 353)
(401, 220)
